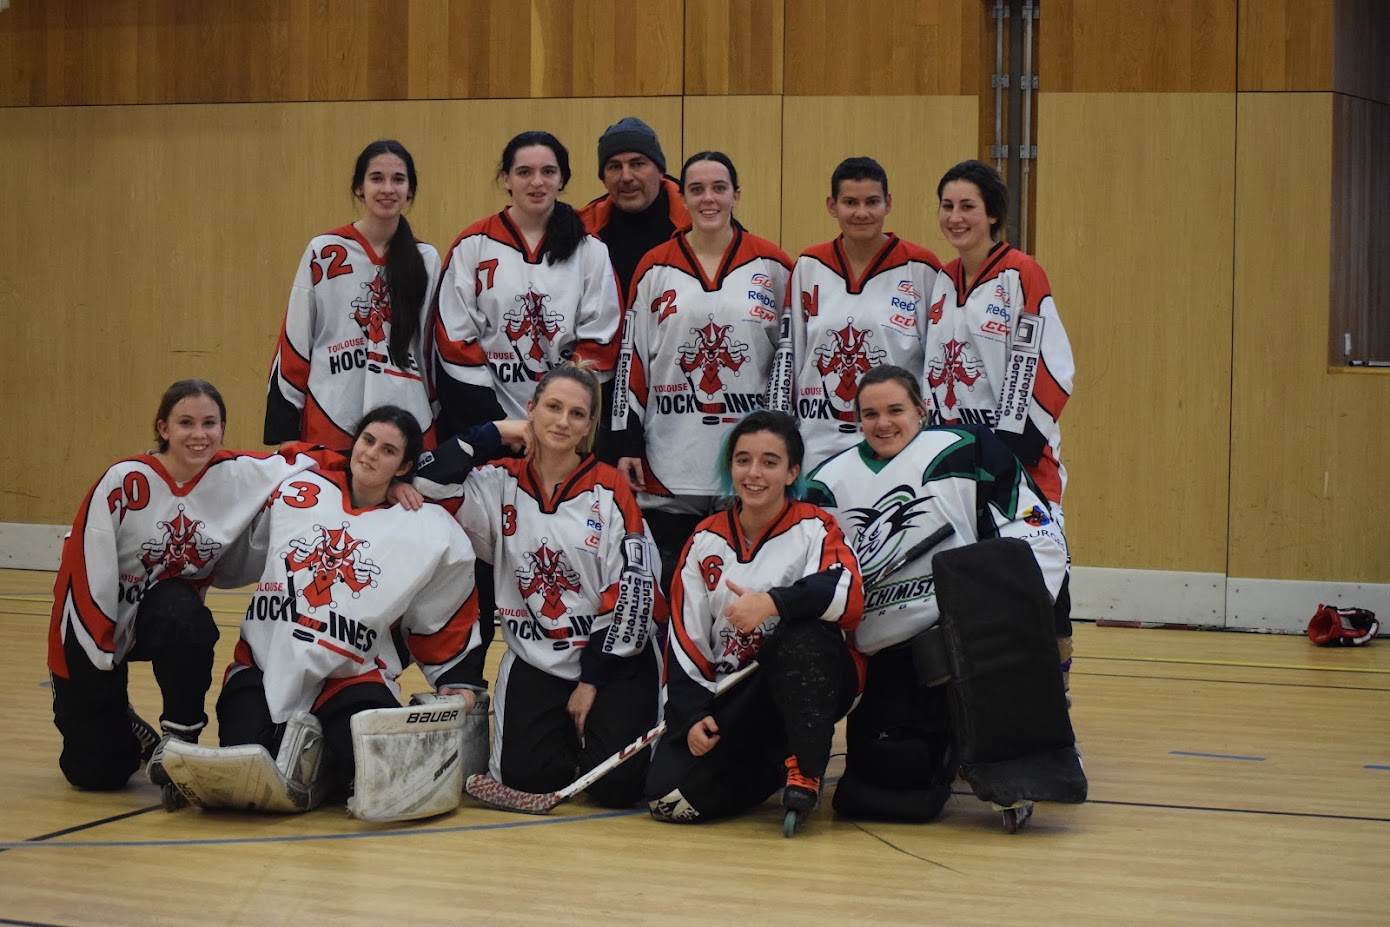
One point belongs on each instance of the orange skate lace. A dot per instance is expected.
(795, 777)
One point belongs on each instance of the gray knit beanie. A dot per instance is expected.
(629, 134)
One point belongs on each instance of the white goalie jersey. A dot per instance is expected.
(963, 477)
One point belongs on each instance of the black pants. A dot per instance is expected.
(805, 683)
(243, 717)
(900, 756)
(176, 634)
(539, 747)
(670, 531)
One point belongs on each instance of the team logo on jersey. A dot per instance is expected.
(334, 557)
(372, 310)
(531, 327)
(882, 531)
(1034, 515)
(740, 647)
(182, 549)
(905, 286)
(953, 366)
(707, 359)
(842, 363)
(546, 576)
(762, 280)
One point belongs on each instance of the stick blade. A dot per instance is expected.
(505, 798)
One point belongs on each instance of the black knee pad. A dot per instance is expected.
(172, 614)
(855, 798)
(100, 753)
(903, 760)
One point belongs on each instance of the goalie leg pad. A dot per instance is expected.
(245, 778)
(1007, 696)
(408, 761)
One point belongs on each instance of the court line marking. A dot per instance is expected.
(1232, 682)
(1374, 766)
(1378, 671)
(1216, 756)
(304, 838)
(90, 824)
(6, 920)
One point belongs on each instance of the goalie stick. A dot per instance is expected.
(917, 550)
(505, 798)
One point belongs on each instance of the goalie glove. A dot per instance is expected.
(1346, 627)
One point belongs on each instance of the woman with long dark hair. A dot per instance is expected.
(356, 330)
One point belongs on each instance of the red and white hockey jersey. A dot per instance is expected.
(997, 355)
(697, 357)
(333, 361)
(843, 327)
(801, 560)
(507, 316)
(137, 527)
(337, 581)
(575, 575)
(964, 477)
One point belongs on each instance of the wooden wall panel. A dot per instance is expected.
(72, 52)
(1286, 44)
(1099, 46)
(887, 47)
(1308, 446)
(1135, 218)
(915, 139)
(733, 47)
(1361, 65)
(749, 130)
(168, 247)
(1360, 246)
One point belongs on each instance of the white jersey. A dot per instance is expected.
(697, 357)
(843, 327)
(801, 560)
(997, 355)
(575, 575)
(333, 361)
(137, 527)
(341, 584)
(507, 316)
(964, 477)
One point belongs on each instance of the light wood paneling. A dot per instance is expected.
(1361, 65)
(749, 130)
(733, 46)
(1134, 230)
(915, 139)
(888, 47)
(1360, 246)
(1168, 837)
(165, 242)
(1307, 446)
(1099, 46)
(182, 51)
(1287, 44)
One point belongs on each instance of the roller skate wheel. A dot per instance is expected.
(171, 798)
(1015, 818)
(790, 823)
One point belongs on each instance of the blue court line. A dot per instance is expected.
(1217, 756)
(1374, 766)
(303, 838)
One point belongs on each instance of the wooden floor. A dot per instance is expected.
(1235, 778)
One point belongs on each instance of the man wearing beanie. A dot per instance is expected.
(643, 208)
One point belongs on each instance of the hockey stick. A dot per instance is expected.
(917, 550)
(505, 798)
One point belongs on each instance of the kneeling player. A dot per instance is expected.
(903, 485)
(345, 578)
(770, 580)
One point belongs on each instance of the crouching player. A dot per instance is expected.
(986, 597)
(313, 678)
(770, 580)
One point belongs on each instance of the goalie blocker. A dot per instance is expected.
(1007, 699)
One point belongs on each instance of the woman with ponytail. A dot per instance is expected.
(522, 291)
(357, 321)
